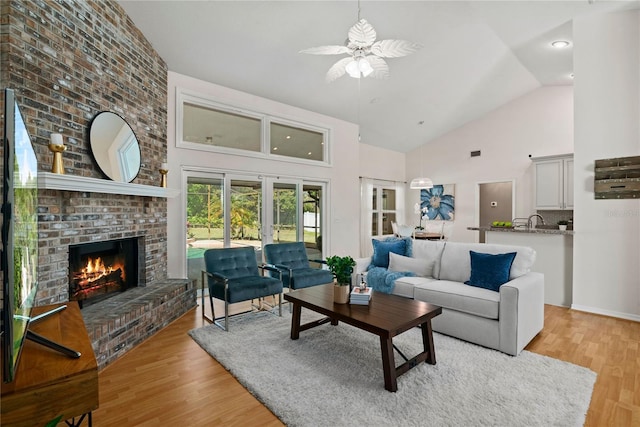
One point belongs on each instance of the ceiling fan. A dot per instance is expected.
(365, 53)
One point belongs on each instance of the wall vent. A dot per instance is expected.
(475, 153)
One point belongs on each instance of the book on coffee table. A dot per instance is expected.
(360, 296)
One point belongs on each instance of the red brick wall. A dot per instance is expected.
(68, 60)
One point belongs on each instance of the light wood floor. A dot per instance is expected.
(170, 380)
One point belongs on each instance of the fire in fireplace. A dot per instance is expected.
(98, 269)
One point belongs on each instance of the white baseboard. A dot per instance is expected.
(609, 313)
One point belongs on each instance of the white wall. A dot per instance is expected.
(380, 163)
(606, 274)
(538, 123)
(341, 176)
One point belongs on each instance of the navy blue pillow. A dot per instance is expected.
(381, 249)
(490, 271)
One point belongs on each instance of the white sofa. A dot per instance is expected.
(506, 320)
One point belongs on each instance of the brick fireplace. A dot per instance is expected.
(73, 225)
(98, 270)
(69, 60)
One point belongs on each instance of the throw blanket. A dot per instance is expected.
(383, 280)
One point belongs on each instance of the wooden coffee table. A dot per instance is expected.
(386, 316)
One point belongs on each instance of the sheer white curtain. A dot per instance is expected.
(366, 213)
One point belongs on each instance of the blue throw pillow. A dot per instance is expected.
(490, 271)
(381, 249)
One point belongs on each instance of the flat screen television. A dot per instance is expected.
(19, 240)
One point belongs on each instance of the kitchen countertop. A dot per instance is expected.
(554, 231)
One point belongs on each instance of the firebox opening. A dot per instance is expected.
(99, 269)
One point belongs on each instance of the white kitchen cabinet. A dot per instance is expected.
(553, 182)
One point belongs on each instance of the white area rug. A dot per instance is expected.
(332, 376)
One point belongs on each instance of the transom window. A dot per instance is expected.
(205, 124)
(214, 127)
(295, 142)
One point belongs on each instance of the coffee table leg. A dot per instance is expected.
(388, 364)
(427, 342)
(295, 321)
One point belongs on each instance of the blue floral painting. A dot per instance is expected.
(438, 202)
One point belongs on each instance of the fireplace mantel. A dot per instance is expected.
(54, 181)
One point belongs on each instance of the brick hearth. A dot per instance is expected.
(123, 321)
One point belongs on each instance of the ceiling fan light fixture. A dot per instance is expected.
(420, 183)
(361, 43)
(365, 67)
(353, 69)
(357, 67)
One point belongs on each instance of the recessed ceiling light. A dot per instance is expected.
(571, 75)
(275, 148)
(288, 136)
(560, 44)
(309, 153)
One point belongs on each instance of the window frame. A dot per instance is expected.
(379, 189)
(184, 96)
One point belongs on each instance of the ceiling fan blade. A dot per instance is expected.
(380, 67)
(337, 70)
(326, 50)
(394, 48)
(361, 34)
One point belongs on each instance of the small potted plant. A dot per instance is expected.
(562, 224)
(341, 268)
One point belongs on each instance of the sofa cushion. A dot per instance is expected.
(489, 271)
(381, 249)
(458, 296)
(455, 264)
(430, 251)
(404, 285)
(419, 266)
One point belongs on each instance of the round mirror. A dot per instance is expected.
(115, 147)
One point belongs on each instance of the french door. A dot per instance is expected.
(231, 210)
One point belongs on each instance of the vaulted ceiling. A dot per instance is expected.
(476, 55)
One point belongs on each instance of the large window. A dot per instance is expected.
(207, 125)
(226, 210)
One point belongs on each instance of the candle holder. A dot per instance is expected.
(56, 166)
(163, 177)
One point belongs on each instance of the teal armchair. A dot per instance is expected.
(233, 275)
(292, 262)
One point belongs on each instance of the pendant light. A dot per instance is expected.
(419, 183)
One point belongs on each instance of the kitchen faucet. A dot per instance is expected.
(530, 223)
